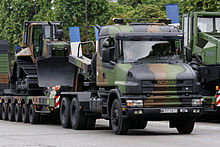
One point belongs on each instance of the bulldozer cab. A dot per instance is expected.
(36, 34)
(202, 34)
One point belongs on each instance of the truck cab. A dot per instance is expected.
(141, 75)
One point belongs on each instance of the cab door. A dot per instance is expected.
(37, 41)
(105, 69)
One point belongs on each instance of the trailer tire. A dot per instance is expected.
(11, 112)
(25, 113)
(34, 117)
(0, 111)
(4, 112)
(18, 117)
(78, 119)
(137, 124)
(119, 125)
(185, 126)
(65, 112)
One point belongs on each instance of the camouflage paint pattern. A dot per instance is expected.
(43, 102)
(4, 65)
(160, 84)
(29, 47)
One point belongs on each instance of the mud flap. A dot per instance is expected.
(55, 71)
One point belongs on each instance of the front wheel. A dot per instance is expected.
(119, 125)
(185, 126)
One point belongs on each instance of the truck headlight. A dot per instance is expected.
(196, 102)
(134, 103)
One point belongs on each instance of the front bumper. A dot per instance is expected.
(159, 114)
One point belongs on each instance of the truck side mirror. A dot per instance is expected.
(188, 54)
(106, 55)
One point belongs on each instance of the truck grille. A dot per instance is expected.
(167, 93)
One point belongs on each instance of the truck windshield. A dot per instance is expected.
(209, 24)
(149, 51)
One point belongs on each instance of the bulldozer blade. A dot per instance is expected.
(55, 71)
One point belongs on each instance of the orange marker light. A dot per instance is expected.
(217, 88)
(129, 103)
(123, 109)
(51, 109)
(56, 88)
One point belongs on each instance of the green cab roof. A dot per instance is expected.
(135, 28)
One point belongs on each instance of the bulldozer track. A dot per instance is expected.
(30, 71)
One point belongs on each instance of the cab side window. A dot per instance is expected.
(37, 39)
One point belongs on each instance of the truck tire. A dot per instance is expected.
(18, 117)
(11, 112)
(65, 112)
(33, 116)
(0, 111)
(185, 126)
(137, 124)
(25, 113)
(78, 119)
(119, 125)
(4, 112)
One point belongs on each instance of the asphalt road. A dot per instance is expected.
(156, 134)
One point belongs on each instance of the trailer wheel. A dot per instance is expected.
(0, 111)
(33, 116)
(25, 113)
(65, 112)
(18, 117)
(11, 112)
(119, 125)
(4, 112)
(185, 126)
(137, 124)
(78, 119)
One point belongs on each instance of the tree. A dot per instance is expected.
(132, 3)
(200, 5)
(147, 11)
(72, 12)
(14, 14)
(44, 10)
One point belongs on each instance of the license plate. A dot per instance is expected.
(168, 110)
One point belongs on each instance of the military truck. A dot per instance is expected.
(202, 41)
(136, 74)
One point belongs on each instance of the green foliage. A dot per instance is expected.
(200, 5)
(132, 3)
(72, 13)
(147, 11)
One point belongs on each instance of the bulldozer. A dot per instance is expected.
(41, 58)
